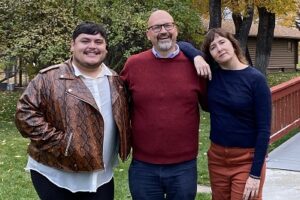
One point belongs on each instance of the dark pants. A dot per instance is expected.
(49, 191)
(158, 182)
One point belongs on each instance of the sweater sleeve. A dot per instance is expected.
(189, 50)
(203, 98)
(263, 104)
(124, 76)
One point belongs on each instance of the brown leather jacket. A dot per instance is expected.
(59, 115)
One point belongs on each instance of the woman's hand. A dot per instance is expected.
(202, 67)
(251, 188)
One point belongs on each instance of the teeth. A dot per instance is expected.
(94, 53)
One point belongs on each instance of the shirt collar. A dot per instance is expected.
(170, 55)
(104, 72)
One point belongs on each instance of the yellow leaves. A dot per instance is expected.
(284, 9)
(287, 19)
(239, 6)
(274, 6)
(278, 6)
(202, 6)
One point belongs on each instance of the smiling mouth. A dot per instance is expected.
(163, 36)
(163, 39)
(91, 53)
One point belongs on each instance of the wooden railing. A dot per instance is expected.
(285, 108)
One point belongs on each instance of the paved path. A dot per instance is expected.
(203, 189)
(282, 185)
(283, 172)
(286, 156)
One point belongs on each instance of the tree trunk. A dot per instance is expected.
(215, 14)
(20, 72)
(265, 37)
(248, 56)
(242, 28)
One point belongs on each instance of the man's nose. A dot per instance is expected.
(92, 45)
(163, 30)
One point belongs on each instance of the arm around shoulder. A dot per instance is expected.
(197, 57)
(189, 50)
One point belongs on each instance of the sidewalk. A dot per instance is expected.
(282, 185)
(203, 189)
(283, 172)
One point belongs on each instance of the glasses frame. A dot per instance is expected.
(152, 28)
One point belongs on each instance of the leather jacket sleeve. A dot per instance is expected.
(30, 116)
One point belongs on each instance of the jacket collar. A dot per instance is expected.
(77, 88)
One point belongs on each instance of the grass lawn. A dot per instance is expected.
(277, 78)
(15, 183)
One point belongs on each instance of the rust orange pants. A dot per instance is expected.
(229, 170)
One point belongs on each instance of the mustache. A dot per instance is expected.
(92, 51)
(164, 35)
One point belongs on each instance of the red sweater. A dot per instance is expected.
(165, 111)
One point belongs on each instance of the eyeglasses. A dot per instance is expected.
(157, 28)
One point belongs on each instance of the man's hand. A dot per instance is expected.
(202, 67)
(251, 188)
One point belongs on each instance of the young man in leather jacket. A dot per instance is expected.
(76, 117)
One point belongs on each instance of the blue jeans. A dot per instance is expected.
(158, 182)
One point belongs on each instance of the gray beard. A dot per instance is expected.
(165, 45)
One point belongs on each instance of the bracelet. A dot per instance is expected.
(254, 177)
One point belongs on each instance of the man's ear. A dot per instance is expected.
(72, 46)
(147, 34)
